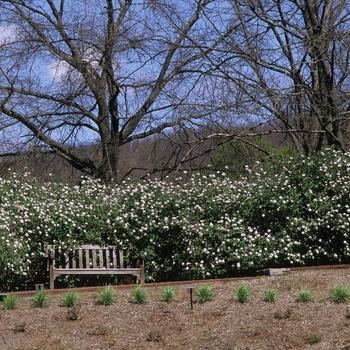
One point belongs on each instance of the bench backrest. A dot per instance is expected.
(87, 256)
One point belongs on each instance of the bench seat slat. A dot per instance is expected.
(99, 271)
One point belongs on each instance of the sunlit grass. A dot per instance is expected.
(340, 293)
(107, 296)
(139, 295)
(70, 298)
(243, 293)
(305, 295)
(205, 293)
(168, 293)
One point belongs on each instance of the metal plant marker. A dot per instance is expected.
(191, 290)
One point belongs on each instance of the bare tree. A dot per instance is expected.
(112, 72)
(105, 72)
(287, 63)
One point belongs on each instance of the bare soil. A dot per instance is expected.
(219, 324)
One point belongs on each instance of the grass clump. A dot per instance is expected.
(243, 293)
(168, 294)
(40, 299)
(139, 295)
(340, 293)
(70, 299)
(283, 315)
(11, 302)
(270, 295)
(313, 339)
(101, 330)
(107, 296)
(305, 295)
(154, 337)
(20, 328)
(205, 293)
(73, 314)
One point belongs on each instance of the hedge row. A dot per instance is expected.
(205, 226)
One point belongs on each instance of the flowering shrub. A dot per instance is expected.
(208, 226)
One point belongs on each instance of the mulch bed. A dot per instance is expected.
(219, 324)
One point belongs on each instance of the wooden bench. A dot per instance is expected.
(91, 260)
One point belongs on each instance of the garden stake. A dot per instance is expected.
(191, 290)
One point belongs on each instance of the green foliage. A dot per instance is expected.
(40, 299)
(139, 295)
(340, 293)
(154, 337)
(235, 155)
(101, 330)
(70, 298)
(11, 302)
(20, 327)
(305, 295)
(209, 226)
(243, 293)
(205, 293)
(270, 295)
(73, 313)
(107, 296)
(168, 293)
(313, 339)
(282, 315)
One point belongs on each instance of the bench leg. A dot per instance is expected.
(52, 278)
(142, 274)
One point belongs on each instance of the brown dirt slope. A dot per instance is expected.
(219, 324)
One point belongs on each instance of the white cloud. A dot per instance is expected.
(61, 70)
(58, 70)
(8, 35)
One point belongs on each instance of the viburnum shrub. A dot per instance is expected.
(204, 225)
